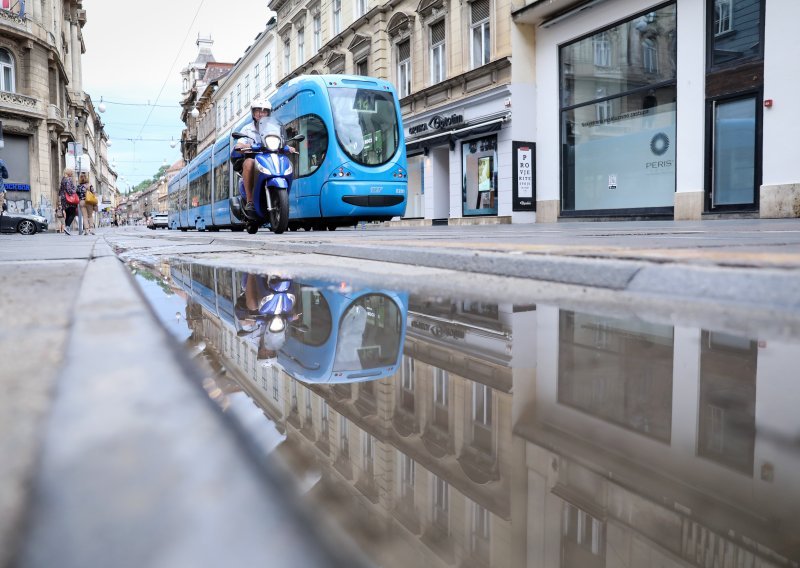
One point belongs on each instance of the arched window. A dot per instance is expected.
(6, 71)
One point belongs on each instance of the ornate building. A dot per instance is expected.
(42, 103)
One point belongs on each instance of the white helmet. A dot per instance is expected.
(258, 102)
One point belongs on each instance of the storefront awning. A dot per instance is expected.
(419, 145)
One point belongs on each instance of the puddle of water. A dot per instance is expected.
(437, 429)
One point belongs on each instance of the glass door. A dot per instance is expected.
(735, 170)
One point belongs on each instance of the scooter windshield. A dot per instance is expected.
(269, 126)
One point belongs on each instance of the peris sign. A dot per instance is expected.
(524, 182)
(437, 122)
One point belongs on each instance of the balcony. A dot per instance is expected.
(15, 19)
(14, 102)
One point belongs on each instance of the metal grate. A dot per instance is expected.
(480, 11)
(437, 32)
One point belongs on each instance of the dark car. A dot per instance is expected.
(24, 223)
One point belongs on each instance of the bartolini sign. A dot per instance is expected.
(437, 122)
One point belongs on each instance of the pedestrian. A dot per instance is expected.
(3, 177)
(69, 199)
(83, 186)
(90, 206)
(59, 219)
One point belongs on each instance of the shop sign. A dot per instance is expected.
(440, 331)
(437, 122)
(18, 186)
(524, 180)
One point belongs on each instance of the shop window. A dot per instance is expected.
(437, 38)
(404, 68)
(479, 184)
(336, 9)
(734, 152)
(723, 16)
(608, 157)
(7, 75)
(481, 46)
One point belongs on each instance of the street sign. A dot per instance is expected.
(524, 176)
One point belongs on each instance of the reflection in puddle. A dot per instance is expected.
(473, 434)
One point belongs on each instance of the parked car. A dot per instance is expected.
(158, 221)
(24, 223)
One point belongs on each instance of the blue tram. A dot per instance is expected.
(350, 167)
(333, 334)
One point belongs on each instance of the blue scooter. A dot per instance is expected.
(273, 180)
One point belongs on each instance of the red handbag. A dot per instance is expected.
(72, 198)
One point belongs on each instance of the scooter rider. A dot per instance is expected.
(246, 166)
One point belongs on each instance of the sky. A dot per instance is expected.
(134, 54)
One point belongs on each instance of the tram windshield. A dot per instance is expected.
(366, 124)
(369, 334)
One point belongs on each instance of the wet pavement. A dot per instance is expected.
(431, 428)
(573, 395)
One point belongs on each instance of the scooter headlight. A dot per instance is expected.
(272, 143)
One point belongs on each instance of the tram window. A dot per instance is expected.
(315, 322)
(369, 334)
(312, 151)
(366, 124)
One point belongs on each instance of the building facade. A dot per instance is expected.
(42, 104)
(676, 109)
(451, 66)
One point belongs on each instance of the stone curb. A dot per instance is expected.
(769, 288)
(139, 468)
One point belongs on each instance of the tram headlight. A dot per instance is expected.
(272, 143)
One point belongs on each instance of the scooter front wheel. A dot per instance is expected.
(279, 216)
(252, 228)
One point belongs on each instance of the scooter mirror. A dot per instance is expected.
(237, 135)
(298, 138)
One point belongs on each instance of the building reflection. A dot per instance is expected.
(532, 435)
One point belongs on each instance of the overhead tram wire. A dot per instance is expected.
(177, 55)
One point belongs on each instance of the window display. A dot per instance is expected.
(480, 176)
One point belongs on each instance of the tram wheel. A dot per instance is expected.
(252, 228)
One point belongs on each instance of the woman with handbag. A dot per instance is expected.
(68, 196)
(90, 206)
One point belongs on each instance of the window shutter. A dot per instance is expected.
(437, 32)
(404, 50)
(480, 11)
